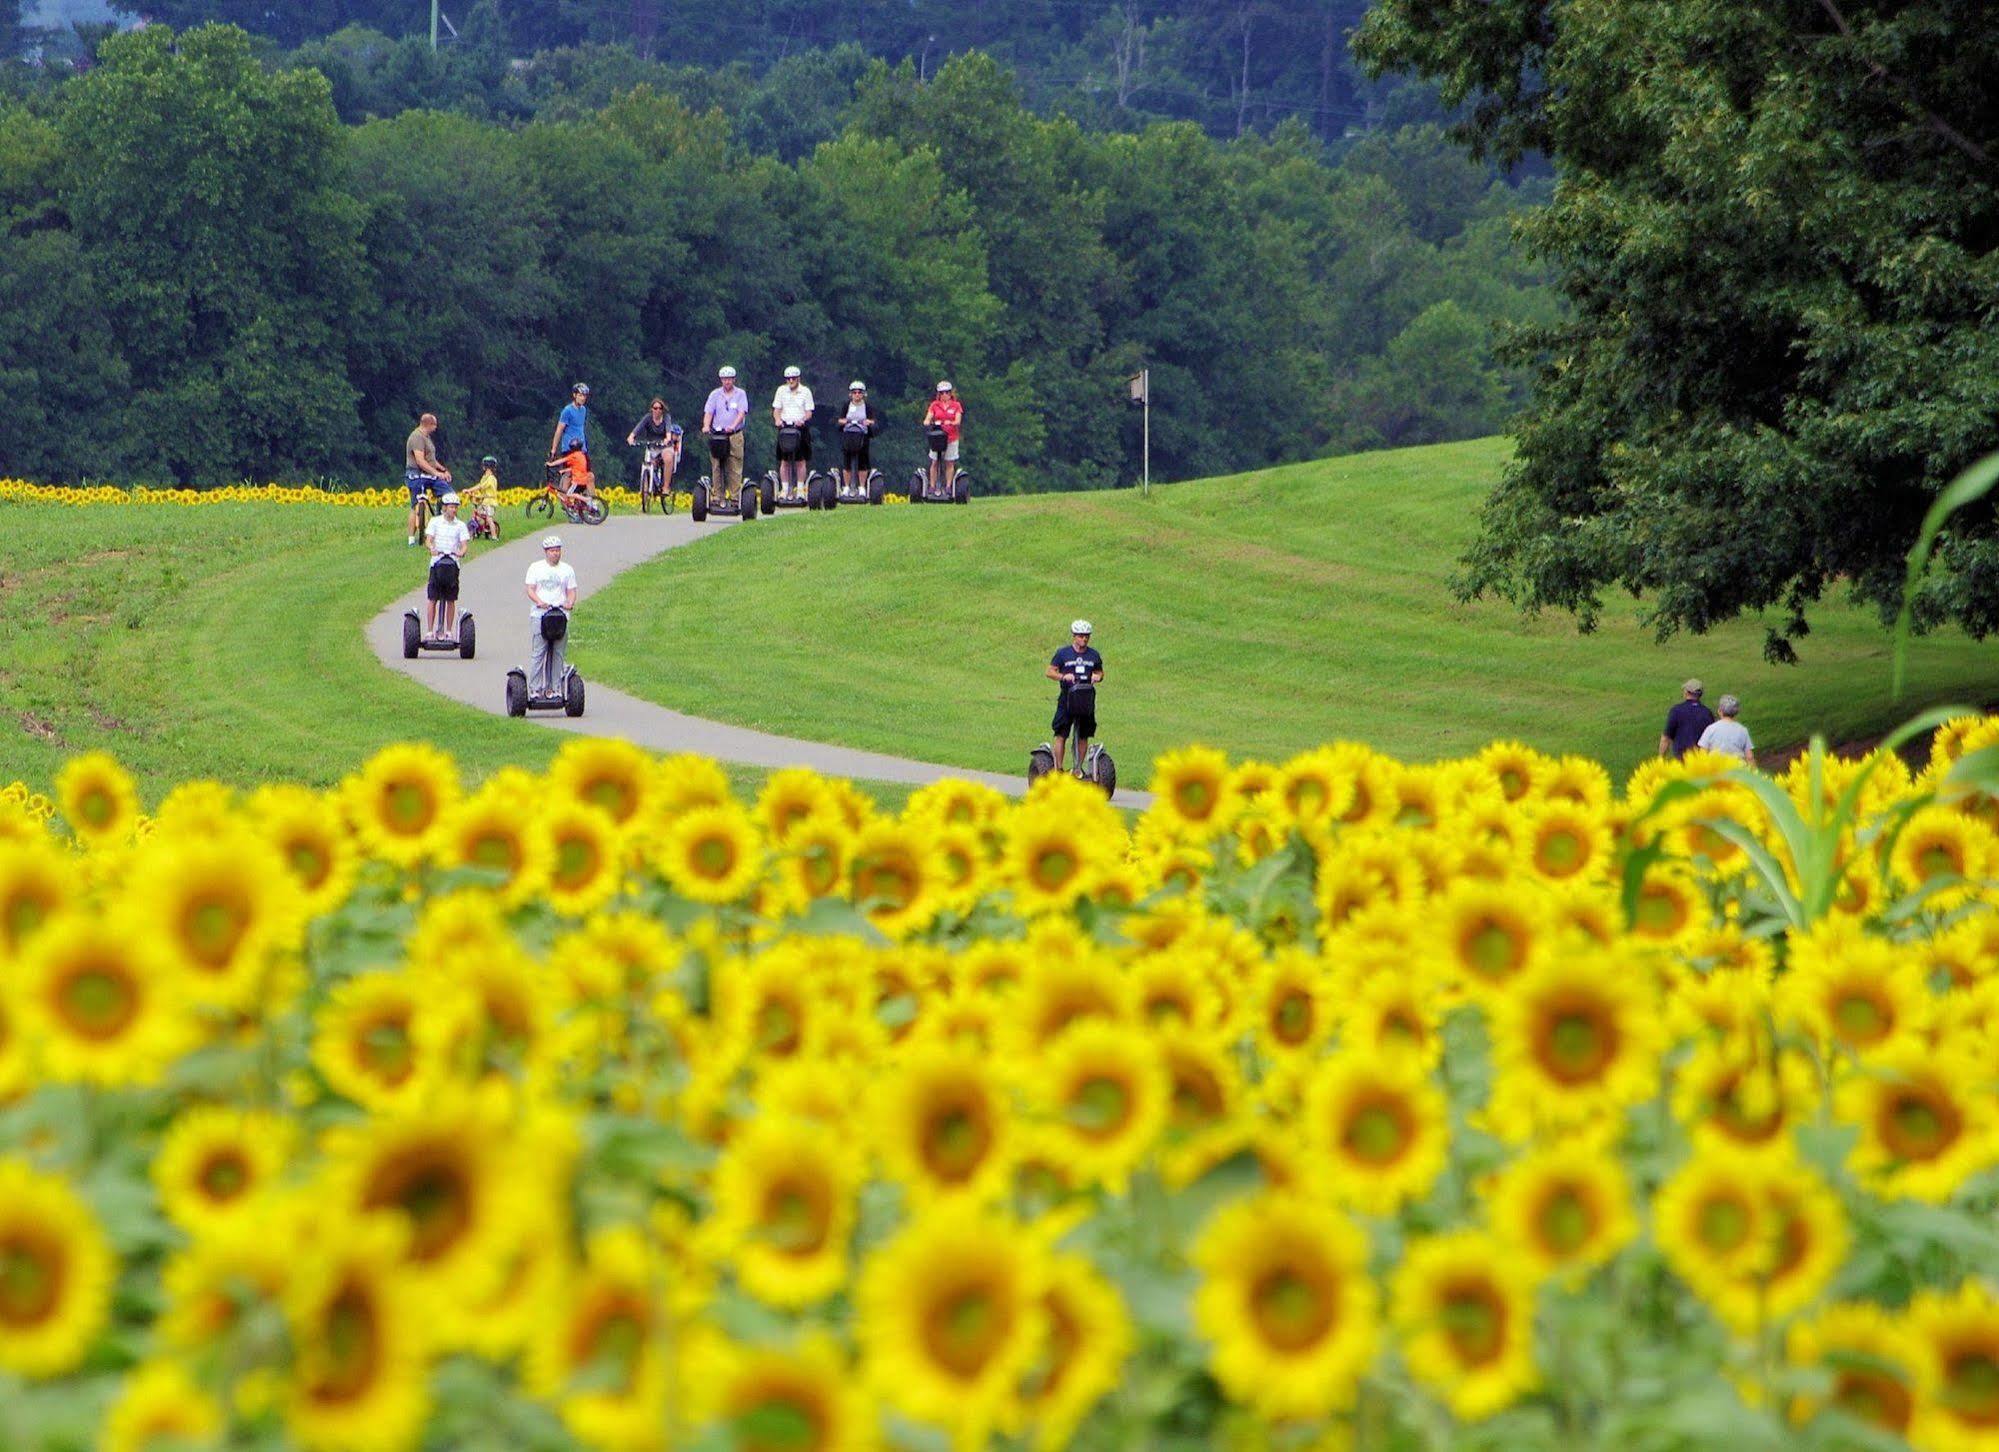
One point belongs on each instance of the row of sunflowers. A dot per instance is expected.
(21, 491)
(1333, 1104)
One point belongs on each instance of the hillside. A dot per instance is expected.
(1265, 613)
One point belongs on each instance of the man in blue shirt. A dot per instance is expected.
(1685, 722)
(1079, 669)
(570, 427)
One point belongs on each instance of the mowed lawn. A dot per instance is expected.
(1265, 613)
(226, 641)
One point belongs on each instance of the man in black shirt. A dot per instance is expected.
(1079, 669)
(1685, 722)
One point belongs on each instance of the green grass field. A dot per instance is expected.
(223, 641)
(1265, 613)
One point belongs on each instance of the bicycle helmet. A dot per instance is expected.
(944, 385)
(726, 373)
(582, 388)
(552, 542)
(1079, 627)
(857, 387)
(792, 372)
(489, 462)
(447, 498)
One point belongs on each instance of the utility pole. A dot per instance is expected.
(1140, 384)
(433, 23)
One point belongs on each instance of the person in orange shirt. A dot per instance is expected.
(575, 476)
(946, 414)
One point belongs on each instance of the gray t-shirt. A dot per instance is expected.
(419, 454)
(1727, 737)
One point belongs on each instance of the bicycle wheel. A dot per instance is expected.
(422, 514)
(593, 511)
(541, 506)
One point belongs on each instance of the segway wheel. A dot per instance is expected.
(877, 486)
(572, 695)
(769, 498)
(412, 635)
(962, 490)
(700, 508)
(517, 693)
(829, 490)
(917, 480)
(1104, 773)
(468, 638)
(749, 503)
(1040, 762)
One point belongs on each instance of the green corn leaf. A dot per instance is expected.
(1972, 485)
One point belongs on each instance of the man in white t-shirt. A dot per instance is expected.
(1728, 736)
(447, 537)
(551, 585)
(791, 411)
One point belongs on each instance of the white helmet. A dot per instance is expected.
(726, 373)
(857, 387)
(944, 385)
(792, 371)
(552, 542)
(1079, 627)
(447, 498)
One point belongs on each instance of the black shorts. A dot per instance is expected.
(443, 578)
(1066, 717)
(800, 448)
(854, 451)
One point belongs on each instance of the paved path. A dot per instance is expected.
(490, 587)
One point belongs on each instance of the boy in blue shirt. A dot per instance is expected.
(1078, 668)
(571, 428)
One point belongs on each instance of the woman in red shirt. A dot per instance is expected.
(947, 413)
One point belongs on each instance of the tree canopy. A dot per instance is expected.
(1775, 228)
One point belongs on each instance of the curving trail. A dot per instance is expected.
(490, 587)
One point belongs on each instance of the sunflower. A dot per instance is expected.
(193, 808)
(34, 887)
(100, 1004)
(1870, 1362)
(1808, 1239)
(1927, 1123)
(219, 911)
(160, 1405)
(962, 879)
(1489, 933)
(1944, 855)
(1579, 1036)
(1517, 770)
(1567, 842)
(1106, 1096)
(1751, 1098)
(212, 1163)
(1713, 1223)
(1293, 1006)
(400, 799)
(97, 799)
(492, 1011)
(805, 1399)
(215, 1286)
(1058, 993)
(1958, 1336)
(1465, 1313)
(1082, 1355)
(945, 1125)
(1192, 791)
(1176, 989)
(784, 1210)
(1856, 992)
(599, 1354)
(313, 844)
(956, 803)
(814, 861)
(360, 1362)
(685, 781)
(502, 838)
(1393, 1011)
(1379, 1127)
(56, 1272)
(951, 1318)
(1050, 860)
(1203, 1081)
(889, 880)
(612, 777)
(369, 1043)
(1668, 908)
(1287, 1304)
(793, 797)
(583, 852)
(1566, 1208)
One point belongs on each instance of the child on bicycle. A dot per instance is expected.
(482, 500)
(570, 472)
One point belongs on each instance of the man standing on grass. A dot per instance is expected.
(1685, 722)
(421, 468)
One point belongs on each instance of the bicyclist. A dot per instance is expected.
(657, 430)
(857, 427)
(945, 413)
(791, 411)
(1078, 668)
(421, 470)
(550, 585)
(447, 536)
(482, 500)
(572, 426)
(722, 420)
(570, 473)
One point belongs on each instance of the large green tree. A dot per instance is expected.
(1775, 225)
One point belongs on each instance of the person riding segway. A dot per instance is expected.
(793, 484)
(722, 421)
(943, 421)
(547, 684)
(857, 482)
(1078, 668)
(447, 537)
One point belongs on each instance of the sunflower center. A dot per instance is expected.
(890, 884)
(1723, 1224)
(1862, 1018)
(778, 1027)
(1100, 1106)
(1492, 949)
(615, 796)
(1938, 860)
(1053, 868)
(957, 1141)
(383, 1048)
(1307, 797)
(1291, 1307)
(1197, 1094)
(24, 911)
(963, 1328)
(1577, 1044)
(1474, 1322)
(1919, 1125)
(1875, 1398)
(31, 1276)
(97, 807)
(433, 1192)
(782, 1422)
(1291, 1020)
(795, 1216)
(499, 850)
(1567, 1220)
(408, 806)
(1971, 1385)
(351, 1339)
(1166, 1005)
(308, 861)
(224, 1176)
(714, 857)
(611, 1344)
(1559, 853)
(576, 861)
(98, 1002)
(1378, 1131)
(1058, 1351)
(214, 926)
(1512, 783)
(1195, 798)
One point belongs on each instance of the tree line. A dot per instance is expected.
(211, 277)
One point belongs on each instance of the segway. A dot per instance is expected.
(870, 489)
(554, 626)
(922, 491)
(790, 443)
(466, 642)
(1095, 765)
(707, 501)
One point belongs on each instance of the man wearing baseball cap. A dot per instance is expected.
(1685, 722)
(722, 420)
(551, 585)
(447, 537)
(1078, 668)
(791, 412)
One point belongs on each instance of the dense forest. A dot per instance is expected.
(228, 259)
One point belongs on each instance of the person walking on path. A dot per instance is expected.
(572, 425)
(1728, 736)
(722, 420)
(550, 585)
(1685, 722)
(421, 467)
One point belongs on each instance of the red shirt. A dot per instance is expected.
(948, 412)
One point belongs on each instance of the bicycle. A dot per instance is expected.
(577, 506)
(655, 483)
(426, 502)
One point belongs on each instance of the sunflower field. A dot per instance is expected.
(1337, 1104)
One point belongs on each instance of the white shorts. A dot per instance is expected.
(951, 452)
